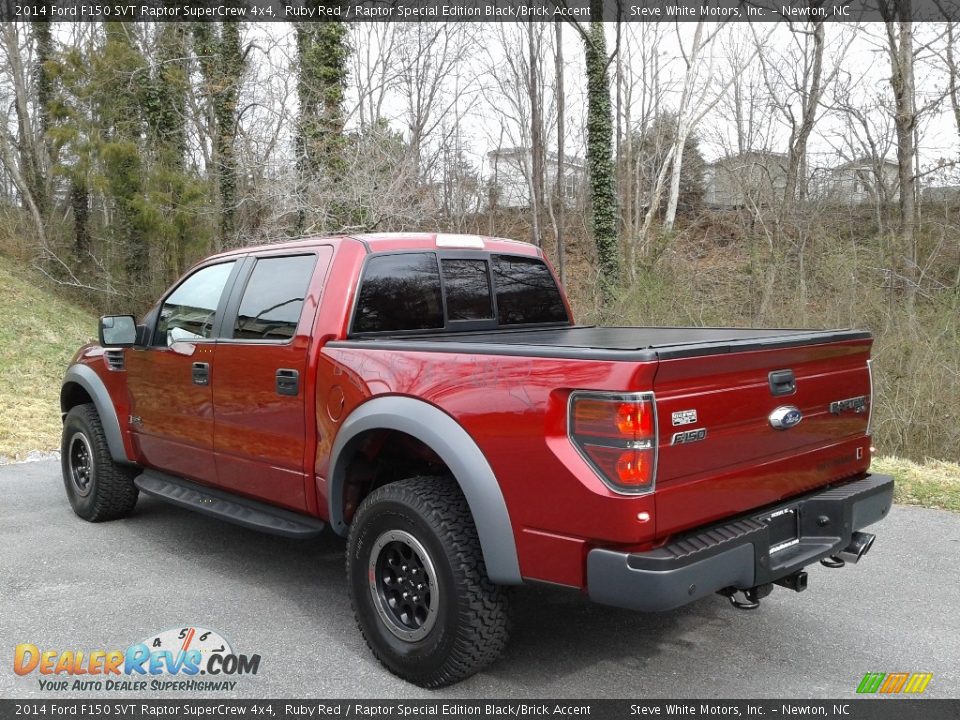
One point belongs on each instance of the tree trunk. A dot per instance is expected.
(952, 76)
(561, 189)
(599, 153)
(900, 44)
(27, 142)
(810, 103)
(536, 136)
(684, 125)
(79, 204)
(321, 83)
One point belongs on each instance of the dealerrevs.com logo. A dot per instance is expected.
(181, 659)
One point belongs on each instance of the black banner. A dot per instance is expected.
(892, 708)
(477, 10)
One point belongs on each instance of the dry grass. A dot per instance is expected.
(39, 333)
(933, 483)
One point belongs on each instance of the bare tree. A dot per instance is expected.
(376, 68)
(899, 35)
(516, 88)
(699, 95)
(23, 153)
(642, 85)
(866, 134)
(430, 58)
(560, 188)
(794, 80)
(537, 150)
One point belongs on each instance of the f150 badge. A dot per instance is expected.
(785, 417)
(688, 436)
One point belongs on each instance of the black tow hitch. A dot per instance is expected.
(751, 596)
(796, 582)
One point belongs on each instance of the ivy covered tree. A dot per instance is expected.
(165, 104)
(322, 53)
(44, 48)
(603, 199)
(119, 113)
(222, 64)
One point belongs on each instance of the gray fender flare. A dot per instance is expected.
(457, 449)
(86, 378)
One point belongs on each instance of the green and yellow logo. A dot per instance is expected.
(890, 683)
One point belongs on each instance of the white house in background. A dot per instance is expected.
(754, 178)
(857, 182)
(510, 169)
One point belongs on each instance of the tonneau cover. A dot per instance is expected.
(610, 343)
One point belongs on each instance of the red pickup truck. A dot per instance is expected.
(430, 398)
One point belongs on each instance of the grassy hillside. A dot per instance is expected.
(39, 332)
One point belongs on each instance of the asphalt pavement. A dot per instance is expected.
(66, 584)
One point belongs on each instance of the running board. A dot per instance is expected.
(227, 506)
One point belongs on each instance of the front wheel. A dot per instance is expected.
(419, 586)
(98, 488)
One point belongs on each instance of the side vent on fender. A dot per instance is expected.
(114, 360)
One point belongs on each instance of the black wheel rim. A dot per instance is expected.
(403, 585)
(80, 464)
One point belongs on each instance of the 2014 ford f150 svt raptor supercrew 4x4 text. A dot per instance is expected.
(430, 398)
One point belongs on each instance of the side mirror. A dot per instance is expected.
(118, 331)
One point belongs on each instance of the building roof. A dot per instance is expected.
(748, 155)
(864, 162)
(508, 152)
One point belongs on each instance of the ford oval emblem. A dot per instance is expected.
(785, 417)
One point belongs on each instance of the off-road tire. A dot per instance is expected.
(109, 492)
(471, 625)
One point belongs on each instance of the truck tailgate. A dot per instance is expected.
(720, 451)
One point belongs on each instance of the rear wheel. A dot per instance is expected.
(98, 488)
(419, 586)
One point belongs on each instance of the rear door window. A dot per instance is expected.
(273, 299)
(399, 292)
(526, 292)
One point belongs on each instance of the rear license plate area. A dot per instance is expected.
(783, 527)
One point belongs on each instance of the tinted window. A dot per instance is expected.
(467, 285)
(526, 291)
(272, 301)
(399, 292)
(190, 312)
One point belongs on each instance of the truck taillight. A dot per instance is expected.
(616, 434)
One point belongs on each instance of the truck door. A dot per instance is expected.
(171, 405)
(259, 395)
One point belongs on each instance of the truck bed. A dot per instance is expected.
(609, 343)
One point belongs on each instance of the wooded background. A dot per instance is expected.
(129, 151)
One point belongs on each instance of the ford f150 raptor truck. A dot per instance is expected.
(431, 398)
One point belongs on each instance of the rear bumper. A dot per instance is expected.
(737, 553)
